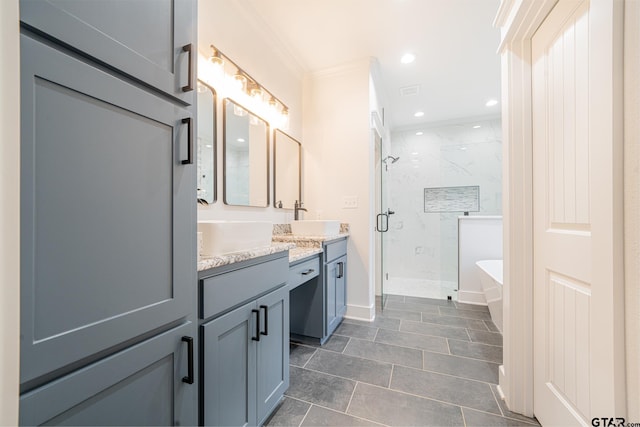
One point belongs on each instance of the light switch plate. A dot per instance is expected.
(350, 202)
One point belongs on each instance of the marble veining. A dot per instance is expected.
(424, 246)
(281, 229)
(206, 263)
(299, 253)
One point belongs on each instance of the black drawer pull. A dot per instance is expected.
(309, 271)
(189, 49)
(189, 378)
(257, 337)
(340, 270)
(189, 122)
(266, 320)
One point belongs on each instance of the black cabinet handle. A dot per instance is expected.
(189, 49)
(189, 122)
(266, 319)
(257, 337)
(309, 271)
(340, 270)
(189, 378)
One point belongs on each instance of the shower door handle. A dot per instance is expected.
(379, 223)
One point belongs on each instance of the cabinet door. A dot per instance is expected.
(272, 350)
(141, 385)
(331, 276)
(341, 287)
(141, 38)
(107, 212)
(229, 368)
(336, 292)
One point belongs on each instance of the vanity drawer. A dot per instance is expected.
(334, 250)
(300, 273)
(224, 291)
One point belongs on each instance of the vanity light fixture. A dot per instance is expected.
(491, 102)
(231, 81)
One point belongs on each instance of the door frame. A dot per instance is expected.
(519, 21)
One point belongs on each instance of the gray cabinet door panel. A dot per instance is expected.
(273, 351)
(141, 385)
(341, 287)
(229, 368)
(106, 211)
(331, 273)
(141, 38)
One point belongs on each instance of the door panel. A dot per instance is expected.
(141, 385)
(229, 369)
(574, 285)
(106, 211)
(151, 52)
(273, 351)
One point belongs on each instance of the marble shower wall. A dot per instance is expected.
(425, 245)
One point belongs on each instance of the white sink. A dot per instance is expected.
(221, 237)
(320, 227)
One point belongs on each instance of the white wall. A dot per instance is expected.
(338, 151)
(235, 29)
(632, 204)
(425, 245)
(9, 211)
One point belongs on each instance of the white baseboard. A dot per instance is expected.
(470, 297)
(361, 312)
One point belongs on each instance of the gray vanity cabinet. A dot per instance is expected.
(319, 302)
(244, 362)
(149, 40)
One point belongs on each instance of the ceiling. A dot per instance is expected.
(456, 68)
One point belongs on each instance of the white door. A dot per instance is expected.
(577, 178)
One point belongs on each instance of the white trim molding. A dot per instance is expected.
(519, 19)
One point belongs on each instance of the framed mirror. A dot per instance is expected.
(206, 143)
(287, 170)
(246, 157)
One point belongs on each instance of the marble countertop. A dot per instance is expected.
(299, 247)
(206, 263)
(307, 241)
(299, 253)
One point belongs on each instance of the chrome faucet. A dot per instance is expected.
(296, 209)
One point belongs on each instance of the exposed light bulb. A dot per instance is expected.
(240, 81)
(285, 119)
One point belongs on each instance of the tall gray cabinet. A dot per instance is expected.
(108, 212)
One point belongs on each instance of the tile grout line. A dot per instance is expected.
(391, 376)
(346, 410)
(496, 399)
(451, 376)
(464, 420)
(449, 348)
(306, 413)
(309, 359)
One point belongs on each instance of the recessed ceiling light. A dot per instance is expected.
(477, 127)
(491, 102)
(419, 133)
(415, 153)
(408, 58)
(419, 114)
(463, 148)
(240, 139)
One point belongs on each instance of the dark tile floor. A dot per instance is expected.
(422, 362)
